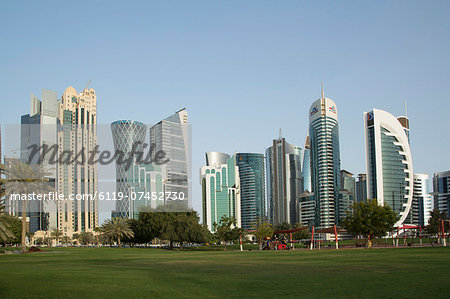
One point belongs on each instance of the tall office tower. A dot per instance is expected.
(171, 135)
(306, 204)
(389, 161)
(77, 132)
(306, 166)
(361, 188)
(441, 191)
(346, 195)
(251, 174)
(38, 128)
(221, 194)
(325, 160)
(284, 181)
(137, 181)
(422, 203)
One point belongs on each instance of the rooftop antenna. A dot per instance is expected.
(406, 110)
(280, 134)
(322, 91)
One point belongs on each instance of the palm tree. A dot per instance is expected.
(56, 234)
(66, 240)
(5, 231)
(117, 228)
(24, 179)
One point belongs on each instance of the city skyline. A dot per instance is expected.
(261, 69)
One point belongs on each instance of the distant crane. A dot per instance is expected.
(87, 85)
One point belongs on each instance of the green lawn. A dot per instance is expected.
(135, 272)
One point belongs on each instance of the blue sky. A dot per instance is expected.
(243, 69)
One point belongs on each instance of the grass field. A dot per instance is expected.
(135, 272)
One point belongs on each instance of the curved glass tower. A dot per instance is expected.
(325, 161)
(389, 161)
(126, 134)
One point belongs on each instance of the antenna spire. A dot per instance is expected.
(322, 91)
(406, 110)
(280, 134)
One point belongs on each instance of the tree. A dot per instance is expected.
(117, 228)
(370, 219)
(14, 229)
(263, 229)
(5, 230)
(75, 237)
(25, 179)
(66, 240)
(434, 223)
(301, 234)
(56, 234)
(283, 226)
(85, 238)
(227, 231)
(5, 226)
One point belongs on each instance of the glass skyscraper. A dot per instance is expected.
(251, 174)
(284, 181)
(139, 182)
(389, 161)
(39, 128)
(325, 161)
(441, 191)
(346, 195)
(220, 189)
(171, 135)
(361, 188)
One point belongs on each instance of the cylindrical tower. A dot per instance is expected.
(128, 136)
(325, 161)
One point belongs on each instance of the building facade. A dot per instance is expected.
(361, 188)
(284, 181)
(441, 191)
(39, 128)
(422, 204)
(221, 194)
(389, 161)
(171, 136)
(346, 195)
(140, 184)
(325, 161)
(251, 175)
(77, 132)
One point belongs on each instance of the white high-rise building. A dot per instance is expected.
(422, 204)
(389, 161)
(325, 161)
(76, 133)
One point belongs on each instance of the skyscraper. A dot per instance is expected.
(346, 194)
(422, 203)
(284, 183)
(39, 128)
(137, 182)
(251, 174)
(171, 135)
(221, 194)
(441, 191)
(361, 188)
(389, 161)
(77, 131)
(325, 160)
